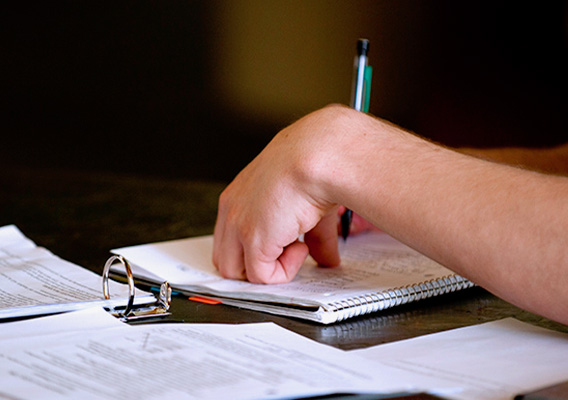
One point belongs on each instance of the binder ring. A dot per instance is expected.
(129, 277)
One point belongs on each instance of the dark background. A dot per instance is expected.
(197, 88)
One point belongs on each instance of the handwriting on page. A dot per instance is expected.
(367, 268)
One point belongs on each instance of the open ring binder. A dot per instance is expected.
(128, 313)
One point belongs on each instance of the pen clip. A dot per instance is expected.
(367, 88)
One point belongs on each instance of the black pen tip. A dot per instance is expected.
(345, 224)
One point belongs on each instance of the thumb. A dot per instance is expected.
(322, 241)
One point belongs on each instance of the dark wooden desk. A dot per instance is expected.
(81, 216)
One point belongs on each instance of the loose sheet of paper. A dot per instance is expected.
(370, 263)
(492, 361)
(91, 355)
(181, 361)
(33, 281)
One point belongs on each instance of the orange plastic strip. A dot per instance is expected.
(205, 300)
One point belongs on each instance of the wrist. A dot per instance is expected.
(362, 146)
(328, 169)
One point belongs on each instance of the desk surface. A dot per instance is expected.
(80, 216)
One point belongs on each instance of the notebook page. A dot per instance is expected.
(370, 263)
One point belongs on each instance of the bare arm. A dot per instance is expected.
(553, 160)
(502, 227)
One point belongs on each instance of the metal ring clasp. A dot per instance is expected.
(129, 277)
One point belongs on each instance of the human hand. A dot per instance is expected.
(279, 196)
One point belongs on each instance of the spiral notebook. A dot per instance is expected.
(377, 272)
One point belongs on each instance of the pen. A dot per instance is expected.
(360, 95)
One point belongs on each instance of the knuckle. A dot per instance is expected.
(223, 199)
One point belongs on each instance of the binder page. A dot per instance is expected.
(34, 281)
(93, 318)
(495, 360)
(184, 361)
(371, 262)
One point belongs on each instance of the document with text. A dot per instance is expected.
(180, 361)
(89, 354)
(491, 361)
(33, 281)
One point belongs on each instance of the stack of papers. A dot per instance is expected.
(33, 281)
(90, 355)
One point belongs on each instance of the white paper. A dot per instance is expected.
(182, 361)
(33, 281)
(492, 361)
(370, 263)
(90, 355)
(94, 318)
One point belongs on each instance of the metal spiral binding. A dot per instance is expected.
(377, 301)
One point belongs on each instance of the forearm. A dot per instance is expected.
(499, 226)
(552, 160)
(502, 227)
